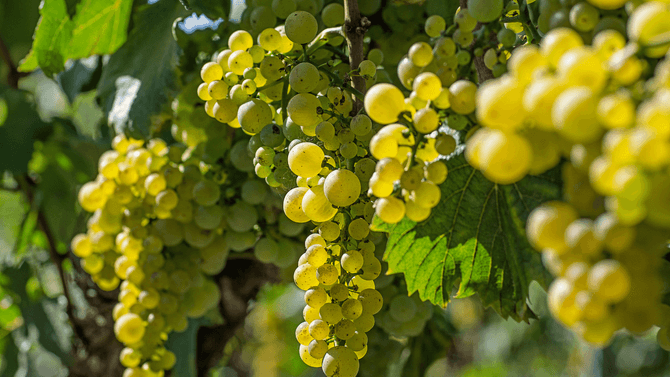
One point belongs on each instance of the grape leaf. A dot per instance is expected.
(19, 129)
(184, 345)
(138, 78)
(97, 27)
(51, 39)
(474, 240)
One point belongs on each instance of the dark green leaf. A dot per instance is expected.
(474, 240)
(138, 78)
(35, 313)
(213, 9)
(52, 36)
(100, 27)
(10, 358)
(81, 77)
(18, 133)
(184, 345)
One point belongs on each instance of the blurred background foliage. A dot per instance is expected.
(53, 129)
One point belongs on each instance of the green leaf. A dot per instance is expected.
(137, 80)
(18, 133)
(10, 358)
(184, 344)
(474, 240)
(81, 77)
(100, 27)
(213, 9)
(51, 39)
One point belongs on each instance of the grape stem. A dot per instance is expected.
(284, 98)
(483, 73)
(359, 95)
(354, 32)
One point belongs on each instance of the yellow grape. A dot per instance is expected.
(384, 102)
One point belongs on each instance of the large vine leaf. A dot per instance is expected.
(97, 27)
(137, 80)
(474, 240)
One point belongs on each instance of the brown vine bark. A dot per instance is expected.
(354, 29)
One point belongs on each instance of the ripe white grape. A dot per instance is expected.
(342, 187)
(301, 27)
(384, 102)
(304, 77)
(340, 361)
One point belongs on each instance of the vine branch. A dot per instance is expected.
(14, 75)
(354, 32)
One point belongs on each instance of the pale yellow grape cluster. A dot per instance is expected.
(590, 104)
(156, 229)
(337, 271)
(607, 272)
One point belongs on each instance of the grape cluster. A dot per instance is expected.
(403, 315)
(607, 272)
(600, 107)
(586, 17)
(157, 228)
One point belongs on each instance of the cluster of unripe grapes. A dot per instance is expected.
(586, 17)
(403, 315)
(155, 228)
(601, 107)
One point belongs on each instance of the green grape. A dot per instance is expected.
(272, 68)
(302, 334)
(214, 256)
(269, 39)
(196, 236)
(206, 193)
(304, 276)
(208, 217)
(329, 230)
(352, 309)
(331, 313)
(339, 292)
(358, 342)
(264, 156)
(217, 90)
(364, 323)
(262, 171)
(584, 17)
(316, 297)
(304, 77)
(288, 227)
(292, 205)
(371, 269)
(421, 54)
(371, 300)
(317, 349)
(324, 131)
(327, 274)
(402, 308)
(352, 261)
(358, 229)
(241, 216)
(170, 231)
(262, 18)
(344, 329)
(341, 362)
(332, 15)
(314, 239)
(305, 160)
(506, 37)
(462, 97)
(435, 25)
(342, 187)
(436, 172)
(301, 27)
(266, 250)
(361, 125)
(240, 40)
(316, 206)
(253, 192)
(368, 68)
(303, 109)
(211, 72)
(463, 38)
(384, 102)
(254, 115)
(574, 115)
(129, 328)
(316, 255)
(318, 329)
(376, 56)
(308, 359)
(282, 8)
(485, 10)
(240, 241)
